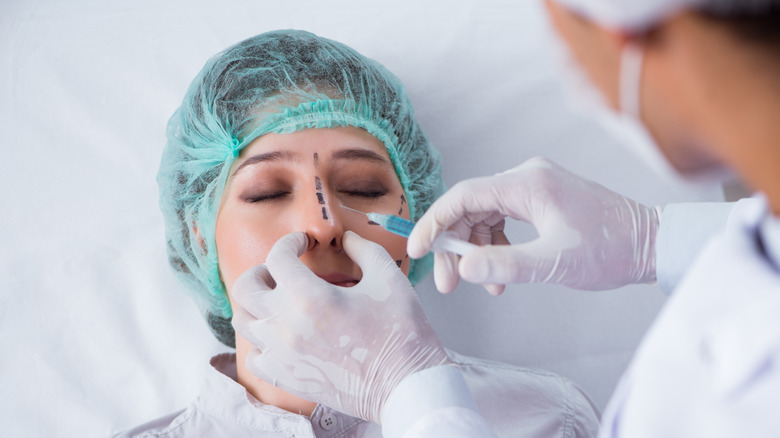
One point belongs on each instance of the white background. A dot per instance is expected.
(95, 332)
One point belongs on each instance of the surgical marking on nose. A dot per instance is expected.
(401, 209)
(316, 160)
(320, 195)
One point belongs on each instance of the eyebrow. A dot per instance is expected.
(359, 154)
(266, 157)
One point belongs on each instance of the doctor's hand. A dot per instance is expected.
(343, 347)
(589, 237)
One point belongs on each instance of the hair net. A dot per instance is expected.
(639, 14)
(281, 82)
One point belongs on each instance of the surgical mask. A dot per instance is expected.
(629, 127)
(584, 98)
(643, 144)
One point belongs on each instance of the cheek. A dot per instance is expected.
(241, 244)
(394, 245)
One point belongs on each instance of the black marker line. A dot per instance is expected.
(316, 160)
(320, 198)
(398, 262)
(324, 213)
(317, 183)
(403, 199)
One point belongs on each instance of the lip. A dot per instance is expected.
(339, 279)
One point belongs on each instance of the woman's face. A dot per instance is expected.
(296, 182)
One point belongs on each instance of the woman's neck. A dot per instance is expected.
(264, 391)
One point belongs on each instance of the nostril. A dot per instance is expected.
(333, 242)
(312, 242)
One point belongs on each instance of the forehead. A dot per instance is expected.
(321, 141)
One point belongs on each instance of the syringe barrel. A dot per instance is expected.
(448, 242)
(397, 225)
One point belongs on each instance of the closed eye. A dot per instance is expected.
(365, 194)
(265, 197)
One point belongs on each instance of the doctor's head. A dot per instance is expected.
(679, 66)
(279, 133)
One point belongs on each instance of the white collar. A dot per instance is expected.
(769, 230)
(222, 396)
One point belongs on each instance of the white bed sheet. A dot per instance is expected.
(96, 332)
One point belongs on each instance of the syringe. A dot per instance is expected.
(446, 242)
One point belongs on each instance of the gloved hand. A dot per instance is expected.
(344, 347)
(589, 237)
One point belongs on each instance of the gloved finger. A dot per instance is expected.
(445, 271)
(263, 366)
(481, 235)
(270, 366)
(371, 257)
(500, 264)
(445, 211)
(494, 235)
(478, 195)
(283, 262)
(498, 237)
(246, 325)
(482, 232)
(494, 289)
(253, 280)
(463, 230)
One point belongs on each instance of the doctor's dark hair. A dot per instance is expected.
(752, 21)
(277, 82)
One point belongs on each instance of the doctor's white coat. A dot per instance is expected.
(710, 365)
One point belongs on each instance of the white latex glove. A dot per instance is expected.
(589, 237)
(343, 347)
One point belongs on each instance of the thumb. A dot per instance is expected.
(264, 365)
(302, 379)
(370, 256)
(283, 262)
(501, 264)
(254, 279)
(450, 208)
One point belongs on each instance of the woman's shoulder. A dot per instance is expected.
(526, 402)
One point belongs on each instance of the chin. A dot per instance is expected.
(695, 163)
(710, 175)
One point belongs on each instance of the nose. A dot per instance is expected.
(321, 220)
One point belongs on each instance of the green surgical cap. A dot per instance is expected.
(281, 82)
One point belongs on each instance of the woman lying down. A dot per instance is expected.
(279, 133)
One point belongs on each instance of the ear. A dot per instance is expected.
(595, 48)
(564, 18)
(196, 233)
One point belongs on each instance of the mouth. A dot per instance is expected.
(339, 279)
